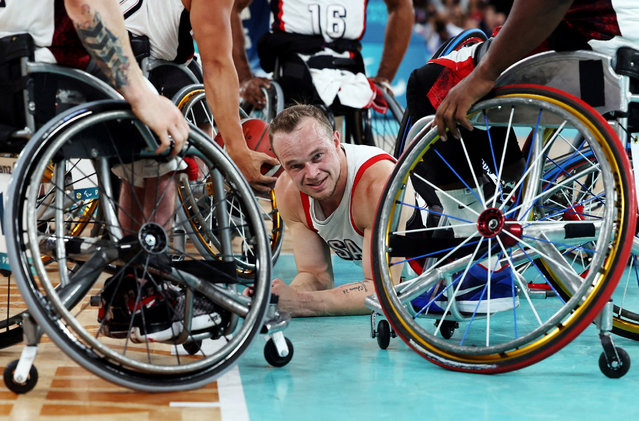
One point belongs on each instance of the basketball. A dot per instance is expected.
(256, 136)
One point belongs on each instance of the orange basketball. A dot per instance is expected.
(256, 136)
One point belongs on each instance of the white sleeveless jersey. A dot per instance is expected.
(338, 229)
(159, 20)
(35, 17)
(333, 20)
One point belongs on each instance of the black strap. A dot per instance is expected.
(13, 86)
(141, 46)
(16, 46)
(274, 45)
(591, 82)
(215, 271)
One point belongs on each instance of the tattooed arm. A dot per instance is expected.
(100, 26)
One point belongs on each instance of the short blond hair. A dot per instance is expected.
(290, 118)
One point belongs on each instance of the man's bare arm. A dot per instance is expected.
(527, 26)
(312, 292)
(210, 21)
(250, 86)
(100, 27)
(399, 27)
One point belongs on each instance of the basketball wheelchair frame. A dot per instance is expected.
(542, 232)
(89, 285)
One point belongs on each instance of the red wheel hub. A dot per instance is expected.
(492, 222)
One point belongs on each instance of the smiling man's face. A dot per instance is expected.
(310, 157)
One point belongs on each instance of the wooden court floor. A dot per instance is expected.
(66, 391)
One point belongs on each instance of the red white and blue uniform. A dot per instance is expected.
(338, 229)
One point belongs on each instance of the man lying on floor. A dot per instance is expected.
(328, 196)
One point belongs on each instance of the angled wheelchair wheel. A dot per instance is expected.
(194, 207)
(625, 319)
(381, 128)
(374, 127)
(572, 204)
(274, 104)
(469, 261)
(122, 299)
(464, 38)
(191, 100)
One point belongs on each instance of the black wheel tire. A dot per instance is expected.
(273, 358)
(447, 328)
(25, 387)
(383, 334)
(192, 347)
(617, 371)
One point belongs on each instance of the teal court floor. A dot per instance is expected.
(338, 373)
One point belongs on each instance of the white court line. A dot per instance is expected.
(232, 402)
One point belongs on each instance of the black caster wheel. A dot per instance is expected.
(273, 358)
(447, 328)
(618, 368)
(383, 334)
(25, 387)
(192, 347)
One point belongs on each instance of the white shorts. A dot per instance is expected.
(137, 171)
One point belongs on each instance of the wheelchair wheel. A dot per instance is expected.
(194, 209)
(572, 204)
(274, 104)
(191, 100)
(122, 301)
(498, 221)
(381, 128)
(371, 127)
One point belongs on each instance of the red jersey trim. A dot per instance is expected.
(280, 12)
(364, 23)
(358, 176)
(306, 204)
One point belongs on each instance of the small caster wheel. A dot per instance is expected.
(273, 358)
(383, 334)
(25, 387)
(617, 368)
(192, 347)
(447, 328)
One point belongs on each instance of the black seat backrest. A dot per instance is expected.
(627, 62)
(13, 48)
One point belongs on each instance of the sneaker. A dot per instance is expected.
(469, 297)
(119, 304)
(432, 301)
(206, 316)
